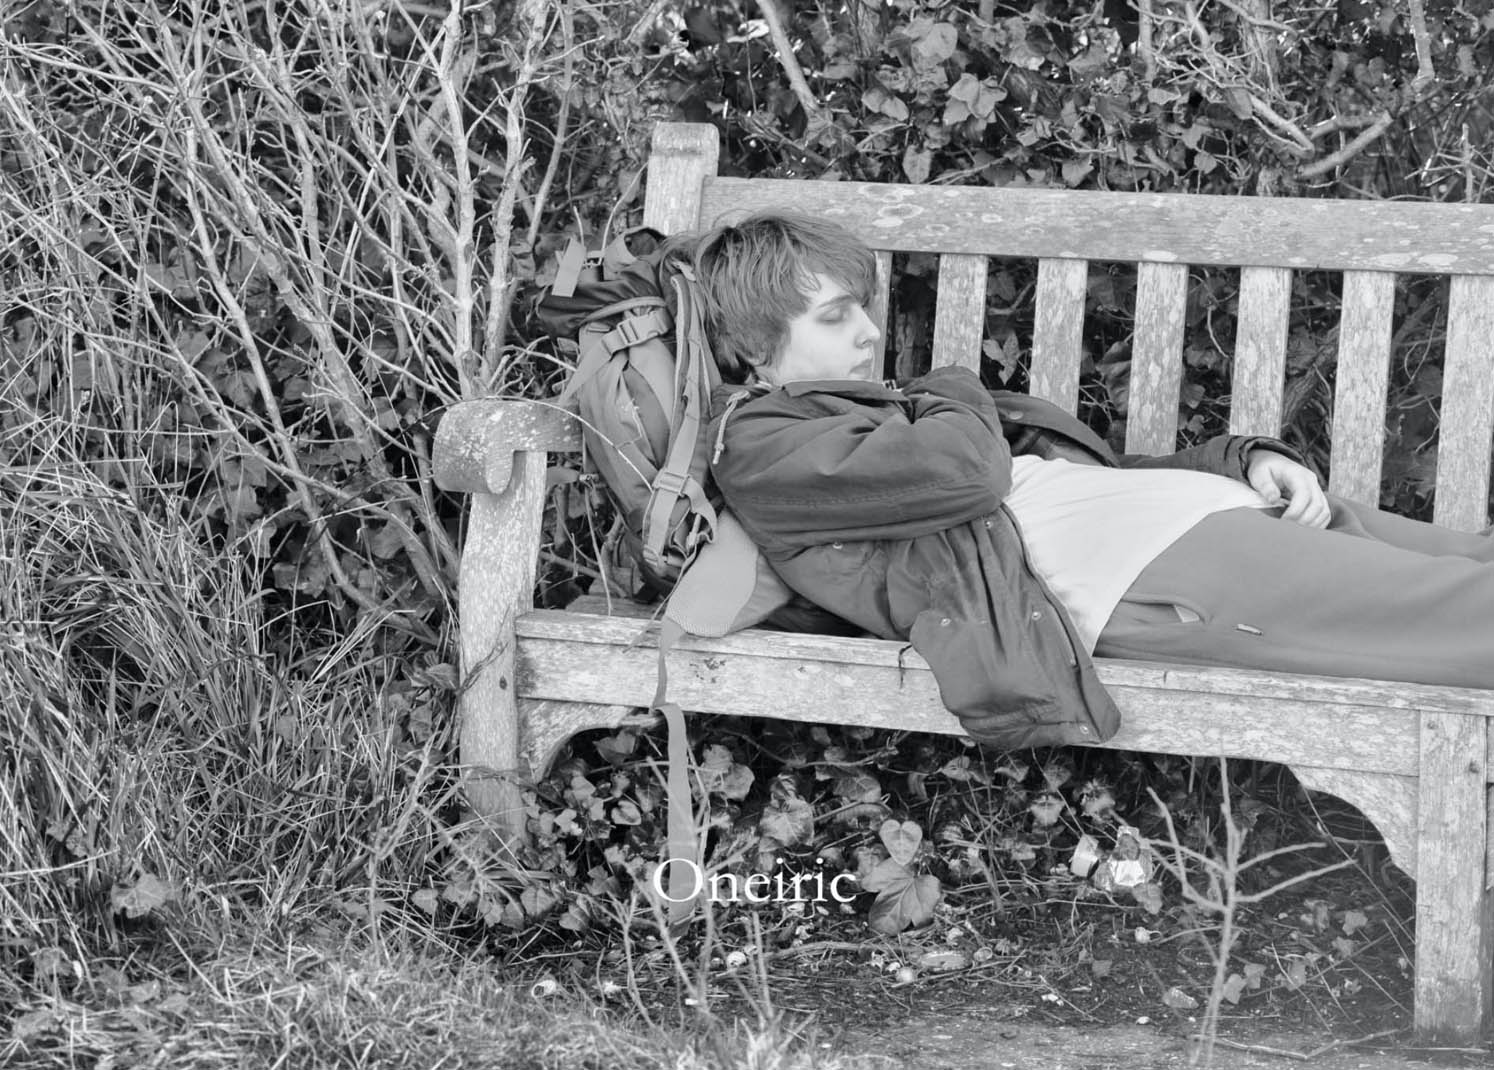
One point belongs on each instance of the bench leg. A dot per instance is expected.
(495, 586)
(1453, 904)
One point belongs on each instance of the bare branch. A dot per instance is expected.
(1349, 151)
(1425, 73)
(790, 63)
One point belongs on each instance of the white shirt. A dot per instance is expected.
(1089, 531)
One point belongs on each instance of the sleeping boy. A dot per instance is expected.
(1008, 544)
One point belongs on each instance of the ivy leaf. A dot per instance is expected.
(1076, 171)
(933, 42)
(882, 102)
(917, 162)
(903, 900)
(862, 796)
(723, 775)
(787, 820)
(619, 748)
(901, 838)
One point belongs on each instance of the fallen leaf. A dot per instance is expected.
(1179, 1000)
(789, 821)
(904, 901)
(1234, 987)
(147, 893)
(1353, 921)
(901, 839)
(1296, 974)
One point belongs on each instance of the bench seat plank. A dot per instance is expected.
(1174, 709)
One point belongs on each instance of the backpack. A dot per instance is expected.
(642, 388)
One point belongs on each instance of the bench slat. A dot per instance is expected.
(960, 311)
(1181, 228)
(1259, 374)
(681, 158)
(878, 308)
(1157, 358)
(1058, 333)
(1467, 424)
(1357, 447)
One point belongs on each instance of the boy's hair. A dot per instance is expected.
(757, 274)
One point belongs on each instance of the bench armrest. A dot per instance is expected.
(476, 441)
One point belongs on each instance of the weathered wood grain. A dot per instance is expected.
(547, 726)
(878, 308)
(1466, 432)
(496, 585)
(476, 441)
(1172, 709)
(1157, 358)
(1259, 373)
(681, 158)
(960, 311)
(1169, 228)
(1454, 955)
(1357, 446)
(1058, 331)
(1388, 801)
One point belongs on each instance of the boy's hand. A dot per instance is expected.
(1281, 480)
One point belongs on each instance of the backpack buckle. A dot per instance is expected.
(638, 329)
(667, 482)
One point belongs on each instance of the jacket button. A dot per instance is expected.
(988, 522)
(1037, 614)
(1084, 730)
(944, 623)
(835, 546)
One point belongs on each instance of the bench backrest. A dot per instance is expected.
(1267, 238)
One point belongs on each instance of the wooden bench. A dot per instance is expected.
(1415, 760)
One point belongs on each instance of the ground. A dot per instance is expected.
(1321, 975)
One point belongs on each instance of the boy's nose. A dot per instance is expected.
(869, 332)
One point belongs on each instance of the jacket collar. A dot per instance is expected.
(863, 389)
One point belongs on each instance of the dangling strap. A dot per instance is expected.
(682, 847)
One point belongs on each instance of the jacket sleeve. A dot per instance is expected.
(1223, 455)
(814, 468)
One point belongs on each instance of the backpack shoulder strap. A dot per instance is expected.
(691, 388)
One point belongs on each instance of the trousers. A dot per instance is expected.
(1372, 595)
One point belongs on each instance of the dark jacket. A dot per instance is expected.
(884, 506)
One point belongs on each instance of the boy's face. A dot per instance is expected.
(833, 338)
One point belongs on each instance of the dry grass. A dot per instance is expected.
(316, 1002)
(243, 257)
